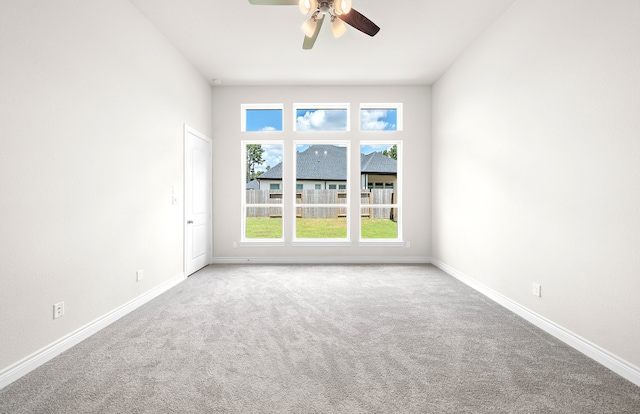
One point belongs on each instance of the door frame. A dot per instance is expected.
(190, 130)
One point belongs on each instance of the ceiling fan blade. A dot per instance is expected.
(310, 41)
(358, 21)
(274, 2)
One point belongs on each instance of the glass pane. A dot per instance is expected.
(321, 223)
(320, 169)
(318, 164)
(379, 179)
(263, 167)
(379, 173)
(321, 120)
(263, 120)
(379, 223)
(379, 119)
(263, 223)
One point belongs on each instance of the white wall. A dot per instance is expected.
(92, 105)
(536, 160)
(227, 166)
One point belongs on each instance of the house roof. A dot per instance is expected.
(253, 185)
(329, 162)
(376, 163)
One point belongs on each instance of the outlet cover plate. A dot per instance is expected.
(536, 289)
(58, 310)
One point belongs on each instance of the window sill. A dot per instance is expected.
(262, 243)
(381, 243)
(321, 243)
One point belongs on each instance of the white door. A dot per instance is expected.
(197, 200)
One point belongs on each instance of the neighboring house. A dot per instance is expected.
(324, 167)
(253, 185)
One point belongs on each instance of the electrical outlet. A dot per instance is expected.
(536, 290)
(58, 310)
(139, 275)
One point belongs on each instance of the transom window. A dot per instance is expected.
(381, 117)
(261, 117)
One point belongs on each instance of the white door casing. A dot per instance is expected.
(197, 200)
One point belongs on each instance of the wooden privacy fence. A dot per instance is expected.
(319, 197)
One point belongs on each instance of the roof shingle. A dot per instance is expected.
(329, 162)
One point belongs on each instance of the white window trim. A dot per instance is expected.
(244, 241)
(320, 106)
(243, 115)
(398, 241)
(313, 242)
(396, 106)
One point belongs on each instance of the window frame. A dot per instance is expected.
(347, 241)
(244, 241)
(398, 241)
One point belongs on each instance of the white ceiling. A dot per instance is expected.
(244, 44)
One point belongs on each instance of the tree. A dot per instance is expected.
(254, 157)
(392, 152)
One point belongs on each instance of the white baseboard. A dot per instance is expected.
(322, 260)
(49, 352)
(593, 351)
(614, 363)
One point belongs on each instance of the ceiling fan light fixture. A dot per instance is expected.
(307, 6)
(342, 6)
(309, 27)
(338, 28)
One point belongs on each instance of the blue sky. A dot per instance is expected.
(368, 149)
(272, 156)
(371, 119)
(321, 120)
(264, 120)
(378, 119)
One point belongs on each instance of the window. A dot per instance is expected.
(321, 211)
(380, 175)
(321, 117)
(381, 117)
(261, 117)
(262, 191)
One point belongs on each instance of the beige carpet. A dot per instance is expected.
(321, 339)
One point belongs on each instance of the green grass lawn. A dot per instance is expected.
(264, 228)
(332, 228)
(378, 228)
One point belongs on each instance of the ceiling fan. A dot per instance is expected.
(337, 11)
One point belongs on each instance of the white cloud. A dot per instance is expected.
(322, 120)
(272, 156)
(268, 128)
(372, 119)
